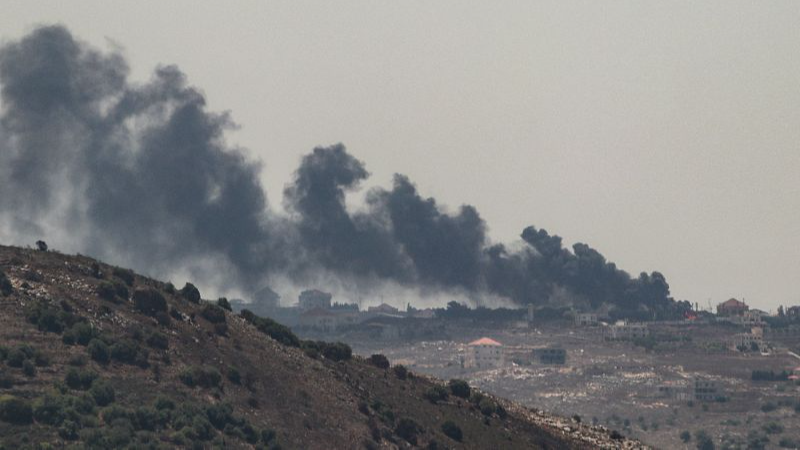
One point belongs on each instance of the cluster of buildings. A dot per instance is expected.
(316, 311)
(487, 353)
(700, 389)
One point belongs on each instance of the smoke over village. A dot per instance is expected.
(106, 167)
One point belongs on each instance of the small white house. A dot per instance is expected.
(623, 330)
(484, 353)
(585, 319)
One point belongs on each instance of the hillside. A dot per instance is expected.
(95, 356)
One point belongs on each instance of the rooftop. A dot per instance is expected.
(485, 341)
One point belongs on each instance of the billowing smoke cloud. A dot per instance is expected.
(143, 171)
(136, 170)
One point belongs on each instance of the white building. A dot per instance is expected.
(746, 341)
(484, 353)
(585, 319)
(626, 331)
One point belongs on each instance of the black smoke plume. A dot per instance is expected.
(141, 174)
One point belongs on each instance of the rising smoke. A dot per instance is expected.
(141, 175)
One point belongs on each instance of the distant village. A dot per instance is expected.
(317, 314)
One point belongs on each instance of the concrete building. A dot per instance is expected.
(550, 355)
(314, 298)
(624, 331)
(319, 319)
(676, 392)
(586, 319)
(383, 308)
(266, 298)
(731, 308)
(484, 353)
(747, 342)
(706, 390)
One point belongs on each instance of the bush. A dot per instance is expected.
(223, 303)
(163, 319)
(102, 392)
(273, 329)
(337, 351)
(379, 361)
(686, 436)
(459, 388)
(6, 288)
(49, 409)
(80, 379)
(106, 291)
(15, 410)
(205, 377)
(768, 407)
(157, 340)
(99, 351)
(125, 351)
(436, 394)
(29, 368)
(773, 428)
(213, 313)
(451, 430)
(400, 371)
(149, 301)
(125, 275)
(234, 375)
(82, 333)
(408, 430)
(487, 407)
(191, 293)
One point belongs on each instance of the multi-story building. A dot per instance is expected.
(314, 298)
(484, 353)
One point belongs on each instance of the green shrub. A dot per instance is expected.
(6, 288)
(400, 371)
(6, 381)
(68, 430)
(408, 430)
(379, 361)
(459, 388)
(102, 392)
(29, 368)
(223, 303)
(773, 428)
(213, 313)
(125, 351)
(267, 435)
(190, 293)
(49, 409)
(157, 340)
(337, 351)
(16, 357)
(99, 351)
(149, 301)
(487, 407)
(451, 430)
(80, 379)
(273, 329)
(15, 410)
(436, 394)
(106, 291)
(83, 333)
(234, 376)
(125, 275)
(205, 377)
(221, 415)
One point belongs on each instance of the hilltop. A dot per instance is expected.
(96, 356)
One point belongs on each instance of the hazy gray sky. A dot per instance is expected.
(664, 134)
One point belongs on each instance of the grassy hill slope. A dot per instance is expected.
(94, 356)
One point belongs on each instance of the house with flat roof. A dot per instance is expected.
(484, 353)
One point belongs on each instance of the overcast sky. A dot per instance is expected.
(664, 134)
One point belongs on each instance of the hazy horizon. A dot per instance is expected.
(665, 136)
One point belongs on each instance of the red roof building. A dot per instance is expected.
(732, 307)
